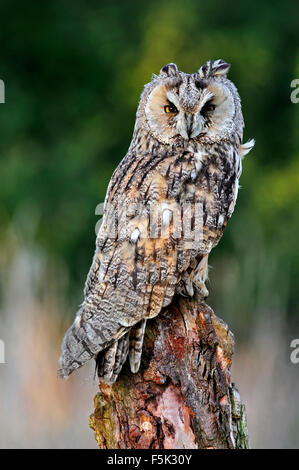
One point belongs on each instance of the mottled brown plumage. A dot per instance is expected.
(167, 205)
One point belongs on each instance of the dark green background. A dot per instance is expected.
(73, 73)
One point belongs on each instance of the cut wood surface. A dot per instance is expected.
(182, 397)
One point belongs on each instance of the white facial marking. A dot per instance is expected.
(198, 125)
(172, 97)
(181, 125)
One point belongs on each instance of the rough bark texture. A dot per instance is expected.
(182, 397)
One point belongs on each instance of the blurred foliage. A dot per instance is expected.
(73, 73)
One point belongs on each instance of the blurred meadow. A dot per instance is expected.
(73, 73)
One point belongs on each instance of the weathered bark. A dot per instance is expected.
(183, 396)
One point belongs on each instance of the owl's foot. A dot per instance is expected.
(200, 292)
(200, 278)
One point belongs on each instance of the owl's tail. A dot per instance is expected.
(110, 361)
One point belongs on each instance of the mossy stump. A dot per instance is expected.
(182, 397)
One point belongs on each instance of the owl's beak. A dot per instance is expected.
(194, 125)
(189, 124)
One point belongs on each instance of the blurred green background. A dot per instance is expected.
(73, 73)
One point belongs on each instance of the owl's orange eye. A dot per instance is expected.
(208, 107)
(170, 108)
(211, 107)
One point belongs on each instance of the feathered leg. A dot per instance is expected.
(192, 282)
(121, 356)
(109, 362)
(200, 278)
(136, 342)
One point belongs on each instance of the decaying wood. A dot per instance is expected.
(183, 396)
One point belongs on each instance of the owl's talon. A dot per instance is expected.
(201, 292)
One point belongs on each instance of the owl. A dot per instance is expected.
(166, 207)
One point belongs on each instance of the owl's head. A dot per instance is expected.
(203, 106)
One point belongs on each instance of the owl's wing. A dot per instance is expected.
(139, 258)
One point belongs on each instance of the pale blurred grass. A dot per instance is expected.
(38, 410)
(269, 385)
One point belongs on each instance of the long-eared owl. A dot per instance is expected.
(166, 207)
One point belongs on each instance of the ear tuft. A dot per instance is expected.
(214, 68)
(169, 70)
(220, 67)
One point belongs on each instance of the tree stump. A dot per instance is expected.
(182, 397)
